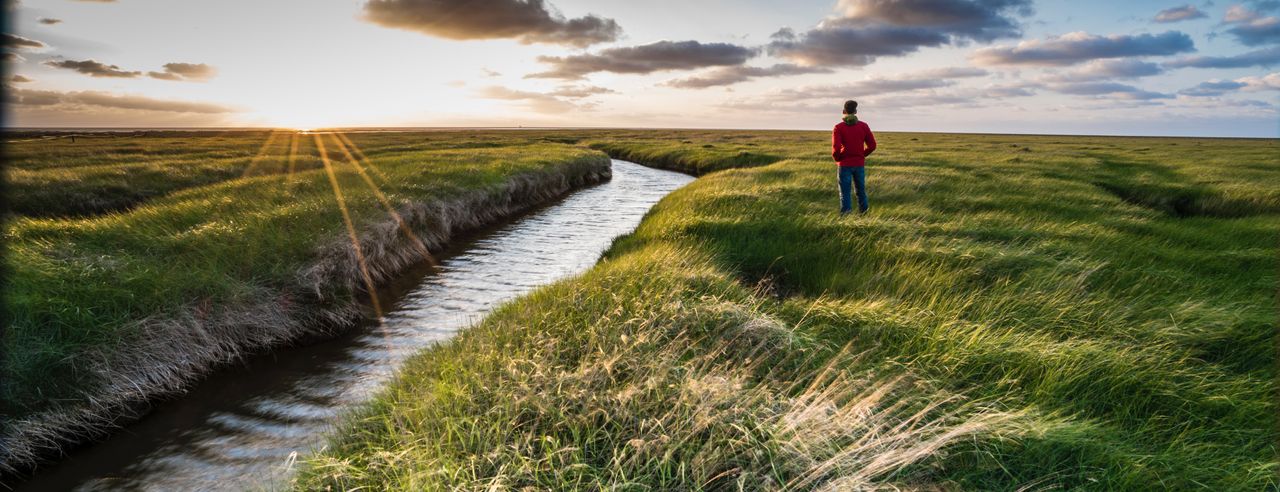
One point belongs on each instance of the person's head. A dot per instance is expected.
(851, 107)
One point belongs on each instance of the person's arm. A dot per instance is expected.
(871, 143)
(837, 146)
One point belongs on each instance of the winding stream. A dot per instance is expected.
(243, 427)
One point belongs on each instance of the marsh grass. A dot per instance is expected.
(117, 308)
(1068, 312)
(630, 380)
(1016, 311)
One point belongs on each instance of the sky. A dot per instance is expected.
(1207, 68)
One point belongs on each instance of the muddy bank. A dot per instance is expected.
(175, 351)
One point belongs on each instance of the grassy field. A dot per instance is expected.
(1043, 311)
(223, 243)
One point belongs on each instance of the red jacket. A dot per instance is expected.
(847, 144)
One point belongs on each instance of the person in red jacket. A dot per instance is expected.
(851, 143)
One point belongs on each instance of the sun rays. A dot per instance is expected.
(351, 229)
(351, 154)
(262, 153)
(347, 150)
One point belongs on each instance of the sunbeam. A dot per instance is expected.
(293, 155)
(360, 153)
(351, 228)
(262, 152)
(338, 139)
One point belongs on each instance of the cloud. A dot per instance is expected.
(1078, 47)
(1213, 88)
(19, 79)
(1006, 91)
(1108, 89)
(867, 29)
(93, 68)
(535, 101)
(1252, 28)
(49, 21)
(883, 94)
(1109, 69)
(644, 59)
(951, 73)
(579, 92)
(862, 88)
(1178, 14)
(527, 21)
(11, 57)
(872, 86)
(732, 75)
(31, 97)
(1264, 57)
(195, 72)
(14, 41)
(980, 20)
(1269, 82)
(847, 46)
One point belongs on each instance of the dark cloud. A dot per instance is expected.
(1265, 57)
(49, 21)
(980, 20)
(1213, 88)
(195, 72)
(1109, 69)
(14, 41)
(11, 57)
(579, 92)
(528, 21)
(93, 68)
(732, 75)
(644, 59)
(1108, 89)
(18, 79)
(30, 97)
(1178, 14)
(848, 46)
(1078, 47)
(1252, 28)
(869, 29)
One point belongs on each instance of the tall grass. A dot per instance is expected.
(1086, 312)
(629, 379)
(110, 310)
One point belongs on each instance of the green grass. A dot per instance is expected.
(1076, 312)
(83, 288)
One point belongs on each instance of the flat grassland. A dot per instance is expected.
(1078, 312)
(137, 261)
(1043, 311)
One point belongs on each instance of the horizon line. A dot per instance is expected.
(522, 127)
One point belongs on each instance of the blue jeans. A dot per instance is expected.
(853, 177)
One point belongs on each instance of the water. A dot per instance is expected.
(242, 427)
